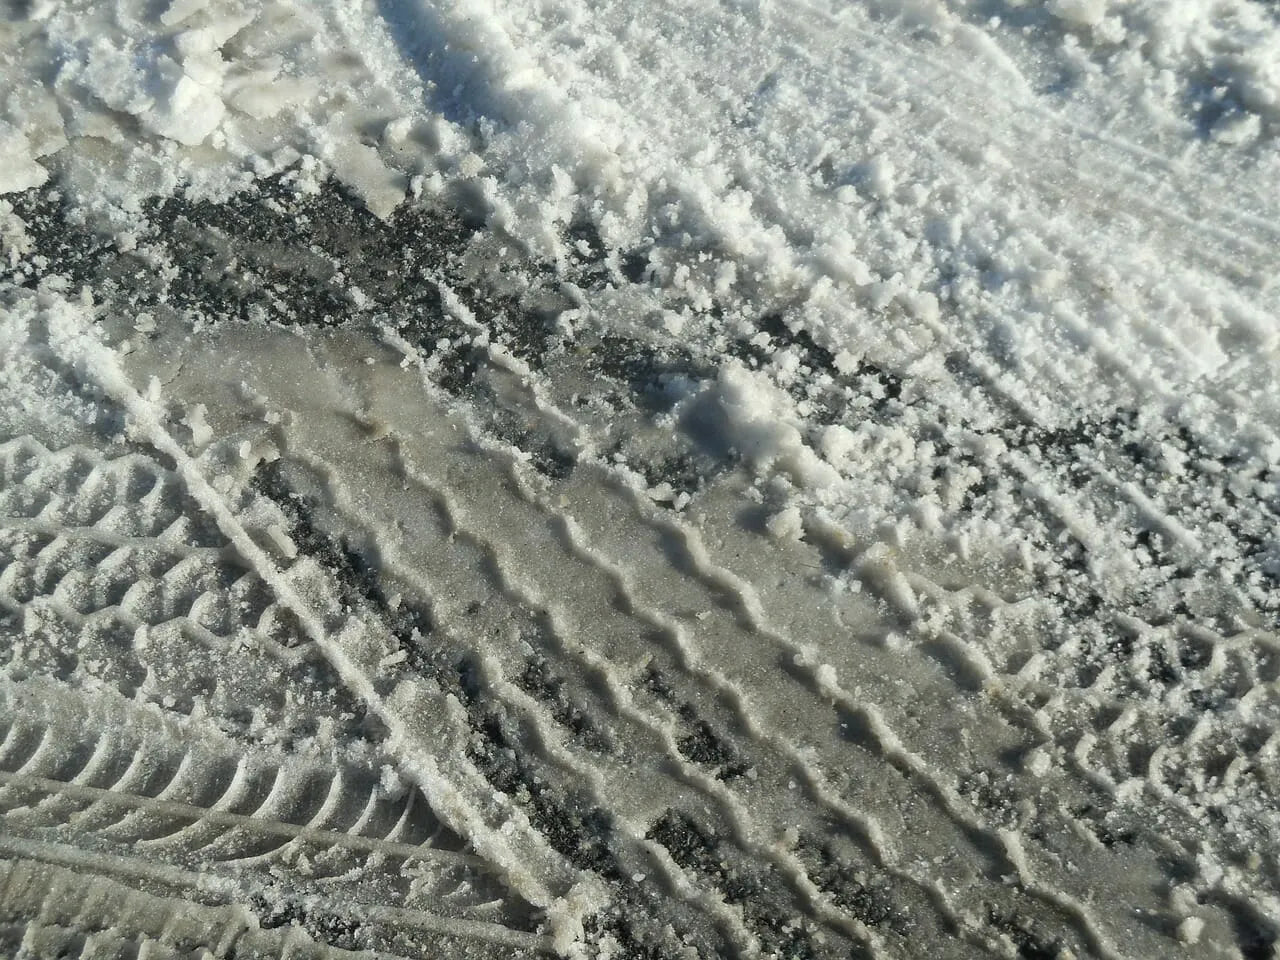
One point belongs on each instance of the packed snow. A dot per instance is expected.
(780, 479)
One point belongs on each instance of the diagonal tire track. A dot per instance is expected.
(1011, 849)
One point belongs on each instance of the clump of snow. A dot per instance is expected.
(1083, 13)
(825, 677)
(1037, 762)
(362, 168)
(174, 90)
(201, 433)
(786, 524)
(18, 167)
(744, 412)
(1189, 930)
(837, 443)
(664, 492)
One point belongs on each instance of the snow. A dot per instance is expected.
(1082, 13)
(965, 313)
(20, 171)
(745, 412)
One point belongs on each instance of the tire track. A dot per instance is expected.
(378, 426)
(1026, 713)
(334, 430)
(95, 863)
(195, 764)
(563, 529)
(1011, 850)
(410, 576)
(354, 658)
(572, 649)
(144, 836)
(752, 613)
(37, 896)
(752, 609)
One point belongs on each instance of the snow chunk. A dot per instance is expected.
(18, 167)
(837, 443)
(1081, 13)
(785, 524)
(1037, 762)
(1189, 930)
(744, 411)
(201, 434)
(828, 684)
(359, 166)
(189, 112)
(179, 101)
(392, 782)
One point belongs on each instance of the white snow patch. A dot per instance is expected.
(18, 167)
(743, 411)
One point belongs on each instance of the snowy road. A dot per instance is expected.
(619, 479)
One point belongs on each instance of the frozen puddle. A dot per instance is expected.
(639, 480)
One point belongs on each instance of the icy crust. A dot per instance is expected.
(421, 724)
(210, 95)
(158, 582)
(1001, 645)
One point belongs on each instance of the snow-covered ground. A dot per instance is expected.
(639, 478)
